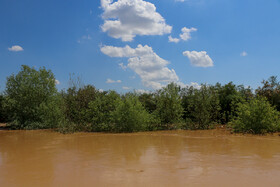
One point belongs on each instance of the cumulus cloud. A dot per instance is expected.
(126, 88)
(146, 63)
(125, 19)
(186, 33)
(193, 84)
(200, 59)
(15, 48)
(244, 53)
(84, 38)
(57, 82)
(124, 67)
(110, 81)
(141, 91)
(171, 39)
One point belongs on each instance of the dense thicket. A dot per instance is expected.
(256, 116)
(31, 101)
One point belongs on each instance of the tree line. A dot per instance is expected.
(32, 101)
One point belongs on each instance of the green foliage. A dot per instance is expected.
(130, 115)
(76, 106)
(256, 116)
(32, 99)
(169, 108)
(202, 107)
(148, 100)
(3, 112)
(271, 91)
(229, 98)
(101, 110)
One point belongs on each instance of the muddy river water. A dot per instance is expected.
(166, 158)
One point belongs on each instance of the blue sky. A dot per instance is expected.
(224, 40)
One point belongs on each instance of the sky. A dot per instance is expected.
(127, 45)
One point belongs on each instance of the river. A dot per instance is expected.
(165, 158)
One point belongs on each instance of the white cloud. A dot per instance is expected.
(57, 82)
(126, 88)
(244, 53)
(110, 81)
(180, 0)
(124, 67)
(146, 63)
(175, 40)
(186, 33)
(193, 84)
(141, 91)
(84, 38)
(200, 59)
(15, 48)
(127, 18)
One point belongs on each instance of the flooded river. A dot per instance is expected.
(167, 158)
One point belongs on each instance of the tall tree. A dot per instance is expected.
(32, 98)
(169, 104)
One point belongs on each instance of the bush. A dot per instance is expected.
(256, 116)
(169, 108)
(32, 99)
(102, 109)
(130, 115)
(202, 107)
(3, 112)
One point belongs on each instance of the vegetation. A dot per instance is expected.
(31, 101)
(256, 116)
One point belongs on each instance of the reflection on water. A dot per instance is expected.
(167, 158)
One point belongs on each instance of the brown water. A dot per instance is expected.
(173, 158)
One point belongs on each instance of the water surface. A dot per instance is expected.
(167, 158)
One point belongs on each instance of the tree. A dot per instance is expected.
(32, 99)
(102, 109)
(271, 91)
(229, 97)
(3, 112)
(149, 101)
(130, 115)
(256, 116)
(169, 104)
(203, 107)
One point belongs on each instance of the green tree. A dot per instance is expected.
(32, 99)
(229, 97)
(101, 110)
(149, 101)
(169, 105)
(3, 112)
(202, 107)
(271, 91)
(256, 116)
(77, 108)
(130, 115)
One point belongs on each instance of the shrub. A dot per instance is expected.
(32, 99)
(256, 116)
(202, 107)
(102, 109)
(169, 105)
(130, 115)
